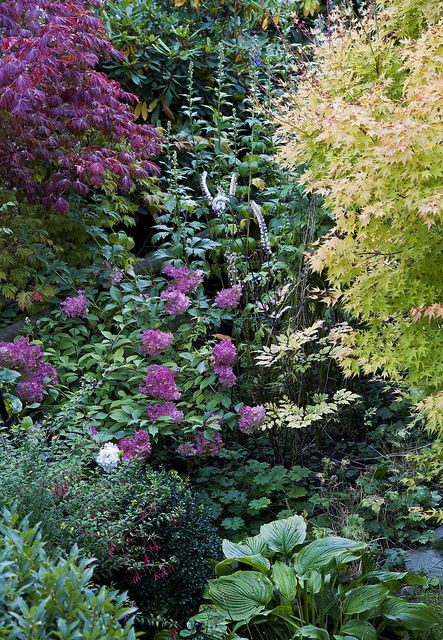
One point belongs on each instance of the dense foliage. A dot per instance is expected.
(43, 597)
(367, 121)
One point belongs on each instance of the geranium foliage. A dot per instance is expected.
(367, 121)
(66, 127)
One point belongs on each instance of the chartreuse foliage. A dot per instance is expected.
(277, 585)
(42, 598)
(366, 120)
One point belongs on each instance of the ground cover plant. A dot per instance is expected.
(232, 340)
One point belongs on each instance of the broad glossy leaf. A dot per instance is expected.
(414, 616)
(360, 629)
(230, 565)
(8, 375)
(285, 580)
(284, 535)
(364, 598)
(311, 631)
(242, 595)
(320, 553)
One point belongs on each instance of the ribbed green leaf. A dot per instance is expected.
(284, 535)
(242, 595)
(360, 629)
(320, 553)
(229, 565)
(310, 631)
(285, 580)
(364, 598)
(413, 616)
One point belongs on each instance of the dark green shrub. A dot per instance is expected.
(144, 527)
(43, 598)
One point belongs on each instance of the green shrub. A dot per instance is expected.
(42, 598)
(144, 527)
(277, 585)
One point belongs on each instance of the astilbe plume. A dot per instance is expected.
(28, 360)
(251, 418)
(163, 410)
(160, 383)
(65, 126)
(155, 342)
(75, 306)
(139, 446)
(224, 355)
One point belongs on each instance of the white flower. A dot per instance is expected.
(108, 457)
(264, 237)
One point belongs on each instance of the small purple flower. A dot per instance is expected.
(228, 298)
(155, 342)
(138, 446)
(160, 383)
(176, 302)
(76, 306)
(251, 418)
(165, 409)
(116, 276)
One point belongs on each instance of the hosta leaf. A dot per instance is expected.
(285, 580)
(414, 616)
(242, 595)
(229, 565)
(310, 631)
(360, 629)
(364, 598)
(284, 535)
(320, 553)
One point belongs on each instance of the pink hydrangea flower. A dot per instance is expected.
(202, 446)
(155, 342)
(228, 298)
(76, 306)
(185, 280)
(160, 383)
(251, 418)
(28, 360)
(165, 409)
(224, 355)
(176, 302)
(138, 446)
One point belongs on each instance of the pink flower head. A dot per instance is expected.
(224, 353)
(165, 409)
(206, 447)
(160, 383)
(138, 446)
(176, 302)
(28, 360)
(228, 298)
(155, 342)
(251, 418)
(76, 306)
(226, 375)
(186, 449)
(185, 280)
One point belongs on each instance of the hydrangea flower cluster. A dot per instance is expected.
(184, 281)
(164, 409)
(108, 457)
(201, 446)
(155, 342)
(228, 298)
(160, 383)
(176, 302)
(224, 355)
(76, 306)
(28, 360)
(251, 418)
(139, 446)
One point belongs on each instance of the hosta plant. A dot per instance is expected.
(279, 585)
